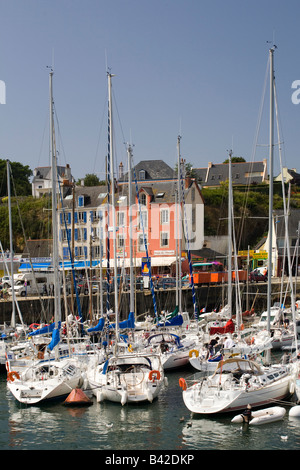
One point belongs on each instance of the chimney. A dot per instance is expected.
(121, 171)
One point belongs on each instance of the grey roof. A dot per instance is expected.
(293, 222)
(93, 196)
(154, 170)
(207, 253)
(160, 191)
(44, 172)
(242, 173)
(38, 248)
(295, 176)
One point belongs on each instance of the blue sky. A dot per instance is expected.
(192, 67)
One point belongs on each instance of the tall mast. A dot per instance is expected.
(178, 224)
(13, 317)
(55, 259)
(109, 75)
(230, 234)
(131, 277)
(271, 149)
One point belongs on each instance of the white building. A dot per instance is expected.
(42, 179)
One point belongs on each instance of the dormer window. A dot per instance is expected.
(142, 174)
(80, 201)
(143, 199)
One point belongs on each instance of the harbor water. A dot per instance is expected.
(164, 425)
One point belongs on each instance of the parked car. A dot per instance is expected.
(165, 283)
(257, 275)
(6, 281)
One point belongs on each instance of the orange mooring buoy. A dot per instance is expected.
(77, 398)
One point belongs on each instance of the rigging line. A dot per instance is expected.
(25, 240)
(100, 132)
(121, 128)
(255, 144)
(59, 134)
(279, 127)
(44, 132)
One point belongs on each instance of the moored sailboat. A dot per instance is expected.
(236, 383)
(52, 379)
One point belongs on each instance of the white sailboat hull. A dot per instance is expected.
(202, 365)
(124, 395)
(127, 380)
(42, 386)
(176, 359)
(235, 384)
(232, 400)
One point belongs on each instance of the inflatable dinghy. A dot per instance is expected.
(267, 415)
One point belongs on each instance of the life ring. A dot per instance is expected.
(182, 383)
(130, 348)
(155, 373)
(11, 375)
(194, 352)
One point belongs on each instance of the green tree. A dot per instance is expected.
(91, 179)
(20, 174)
(235, 160)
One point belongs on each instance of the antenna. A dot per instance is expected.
(274, 45)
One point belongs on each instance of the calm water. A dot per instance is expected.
(156, 426)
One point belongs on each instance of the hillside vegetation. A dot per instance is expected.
(251, 211)
(31, 217)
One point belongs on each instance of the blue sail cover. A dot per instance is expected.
(105, 367)
(98, 327)
(129, 323)
(175, 321)
(55, 339)
(44, 329)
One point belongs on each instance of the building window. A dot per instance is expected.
(94, 216)
(96, 250)
(164, 239)
(194, 219)
(80, 234)
(142, 174)
(141, 242)
(164, 216)
(121, 219)
(143, 220)
(80, 201)
(81, 216)
(121, 242)
(143, 199)
(63, 234)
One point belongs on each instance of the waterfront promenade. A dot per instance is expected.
(254, 295)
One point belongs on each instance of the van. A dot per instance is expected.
(29, 284)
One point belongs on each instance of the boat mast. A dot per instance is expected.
(178, 238)
(230, 235)
(109, 76)
(131, 277)
(13, 317)
(55, 259)
(271, 157)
